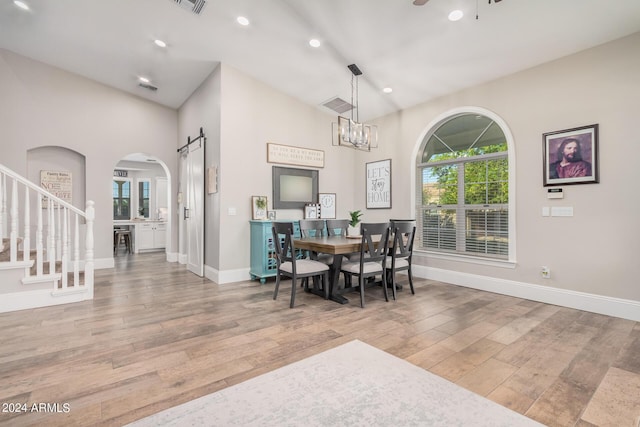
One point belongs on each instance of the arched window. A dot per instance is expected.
(463, 188)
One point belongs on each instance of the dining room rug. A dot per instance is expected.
(353, 384)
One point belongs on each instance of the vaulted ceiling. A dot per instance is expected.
(415, 50)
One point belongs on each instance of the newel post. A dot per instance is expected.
(88, 265)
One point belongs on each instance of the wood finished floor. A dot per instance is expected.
(156, 336)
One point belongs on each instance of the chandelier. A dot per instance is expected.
(350, 132)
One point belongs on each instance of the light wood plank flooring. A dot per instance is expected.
(156, 336)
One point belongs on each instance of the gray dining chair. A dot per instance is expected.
(289, 266)
(337, 227)
(372, 259)
(312, 227)
(315, 228)
(400, 259)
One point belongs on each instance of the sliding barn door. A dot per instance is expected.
(192, 163)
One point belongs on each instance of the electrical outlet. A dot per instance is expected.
(546, 272)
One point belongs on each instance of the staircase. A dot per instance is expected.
(42, 259)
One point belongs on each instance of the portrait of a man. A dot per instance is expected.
(569, 163)
(570, 156)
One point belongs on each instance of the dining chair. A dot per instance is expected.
(289, 266)
(337, 227)
(393, 222)
(315, 228)
(372, 257)
(312, 227)
(401, 253)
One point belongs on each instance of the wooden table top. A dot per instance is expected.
(329, 244)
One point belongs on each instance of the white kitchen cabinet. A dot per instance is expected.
(150, 235)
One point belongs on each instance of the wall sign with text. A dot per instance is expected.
(289, 155)
(58, 183)
(379, 184)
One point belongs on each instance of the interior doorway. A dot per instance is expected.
(141, 191)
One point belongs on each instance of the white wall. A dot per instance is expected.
(240, 115)
(42, 105)
(593, 252)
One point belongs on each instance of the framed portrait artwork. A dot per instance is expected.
(570, 156)
(327, 202)
(378, 177)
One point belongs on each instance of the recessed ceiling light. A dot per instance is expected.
(242, 21)
(456, 15)
(314, 43)
(160, 43)
(144, 79)
(21, 4)
(387, 90)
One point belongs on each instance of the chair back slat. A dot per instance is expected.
(375, 242)
(283, 241)
(312, 227)
(403, 235)
(337, 227)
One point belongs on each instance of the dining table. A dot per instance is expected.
(339, 247)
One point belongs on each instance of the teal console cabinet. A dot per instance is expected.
(263, 251)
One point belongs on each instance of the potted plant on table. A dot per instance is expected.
(353, 229)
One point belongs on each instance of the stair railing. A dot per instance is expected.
(59, 220)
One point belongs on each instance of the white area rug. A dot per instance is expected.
(354, 384)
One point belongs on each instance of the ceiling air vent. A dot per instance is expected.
(338, 105)
(194, 6)
(148, 86)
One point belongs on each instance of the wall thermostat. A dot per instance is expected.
(555, 193)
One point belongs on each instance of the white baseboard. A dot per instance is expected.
(172, 257)
(101, 263)
(38, 298)
(227, 276)
(182, 258)
(616, 307)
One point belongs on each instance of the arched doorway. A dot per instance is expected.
(141, 192)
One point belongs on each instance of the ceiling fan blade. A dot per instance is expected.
(419, 2)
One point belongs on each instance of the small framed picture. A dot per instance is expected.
(259, 207)
(570, 156)
(311, 211)
(271, 215)
(327, 202)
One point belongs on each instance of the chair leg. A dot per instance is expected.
(275, 291)
(325, 284)
(411, 280)
(393, 284)
(361, 281)
(384, 287)
(293, 291)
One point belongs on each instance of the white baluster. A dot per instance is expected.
(76, 253)
(26, 243)
(39, 237)
(65, 245)
(57, 210)
(51, 241)
(88, 266)
(13, 236)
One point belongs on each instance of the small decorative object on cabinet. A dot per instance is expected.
(263, 251)
(259, 207)
(312, 211)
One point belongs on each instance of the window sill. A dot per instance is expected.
(466, 258)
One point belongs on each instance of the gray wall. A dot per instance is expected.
(595, 250)
(45, 106)
(592, 252)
